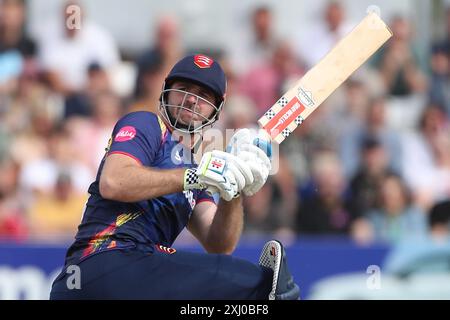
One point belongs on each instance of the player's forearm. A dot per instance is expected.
(135, 184)
(226, 227)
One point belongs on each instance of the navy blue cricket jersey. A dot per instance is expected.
(109, 224)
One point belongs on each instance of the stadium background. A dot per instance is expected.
(365, 181)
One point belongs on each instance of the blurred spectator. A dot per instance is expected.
(323, 35)
(444, 44)
(265, 83)
(304, 144)
(440, 80)
(364, 185)
(155, 63)
(12, 28)
(324, 210)
(11, 65)
(81, 103)
(374, 125)
(16, 105)
(90, 135)
(13, 224)
(66, 52)
(4, 143)
(149, 83)
(338, 119)
(426, 158)
(354, 109)
(40, 175)
(15, 46)
(254, 46)
(56, 215)
(397, 218)
(240, 112)
(439, 221)
(398, 62)
(440, 67)
(32, 113)
(272, 210)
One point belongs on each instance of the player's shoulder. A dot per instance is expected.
(145, 121)
(139, 116)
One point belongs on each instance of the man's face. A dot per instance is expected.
(334, 16)
(197, 105)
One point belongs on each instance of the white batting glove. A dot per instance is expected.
(220, 172)
(254, 148)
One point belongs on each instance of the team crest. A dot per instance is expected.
(203, 61)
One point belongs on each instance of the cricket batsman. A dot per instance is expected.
(142, 199)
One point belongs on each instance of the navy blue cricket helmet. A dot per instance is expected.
(201, 70)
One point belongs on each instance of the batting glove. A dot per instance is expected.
(219, 172)
(254, 148)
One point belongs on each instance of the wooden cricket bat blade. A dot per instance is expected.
(325, 77)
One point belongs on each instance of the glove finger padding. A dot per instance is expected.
(227, 188)
(239, 177)
(260, 175)
(260, 169)
(256, 155)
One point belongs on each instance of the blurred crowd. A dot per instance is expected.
(372, 163)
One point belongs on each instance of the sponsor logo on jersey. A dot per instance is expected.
(203, 61)
(125, 134)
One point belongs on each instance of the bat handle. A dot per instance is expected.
(264, 145)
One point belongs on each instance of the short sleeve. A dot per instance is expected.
(204, 196)
(137, 135)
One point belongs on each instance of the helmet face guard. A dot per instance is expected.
(200, 70)
(171, 112)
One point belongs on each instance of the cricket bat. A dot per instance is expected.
(325, 77)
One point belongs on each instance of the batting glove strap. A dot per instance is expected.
(191, 180)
